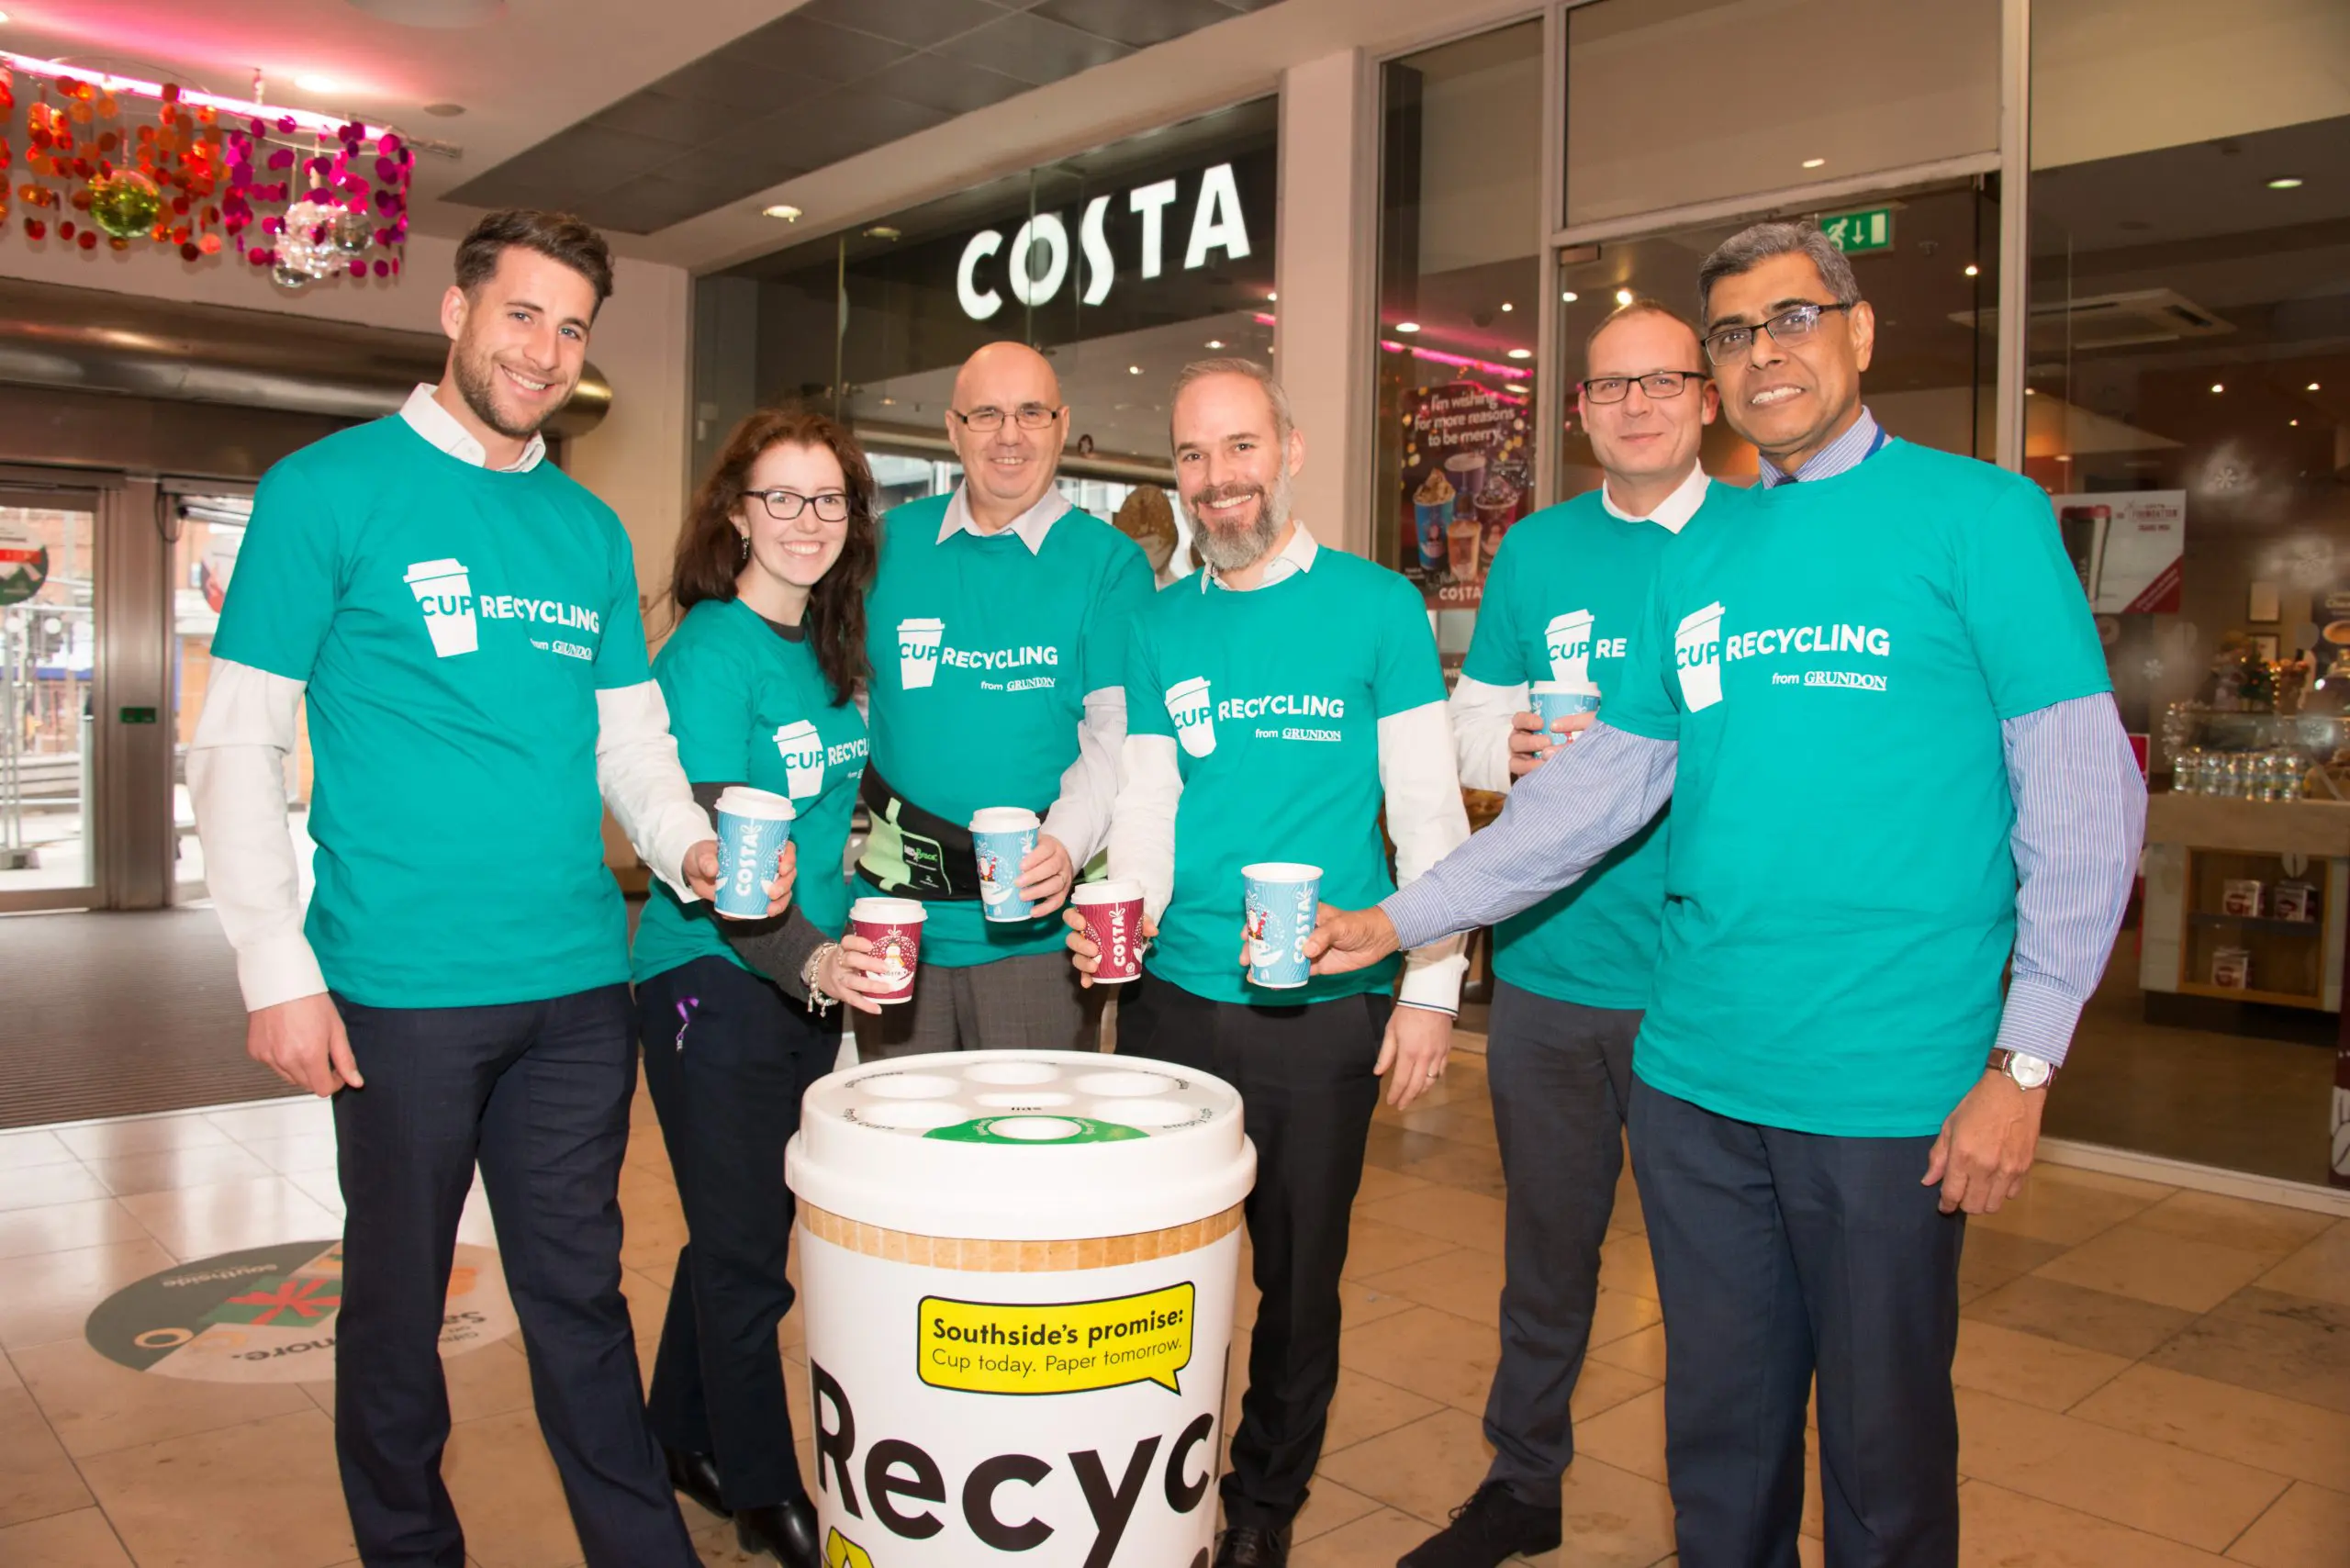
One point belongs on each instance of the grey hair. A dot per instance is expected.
(1750, 247)
(1201, 369)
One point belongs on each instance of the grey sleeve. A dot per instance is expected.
(775, 948)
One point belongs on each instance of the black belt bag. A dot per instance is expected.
(912, 852)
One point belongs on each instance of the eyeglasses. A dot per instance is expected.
(785, 506)
(1656, 383)
(1792, 326)
(1029, 416)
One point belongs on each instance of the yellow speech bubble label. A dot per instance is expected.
(1072, 1348)
(842, 1552)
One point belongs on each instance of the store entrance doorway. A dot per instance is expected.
(49, 665)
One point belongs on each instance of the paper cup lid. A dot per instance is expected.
(1567, 687)
(888, 911)
(1021, 1145)
(1281, 871)
(1004, 819)
(741, 801)
(1112, 890)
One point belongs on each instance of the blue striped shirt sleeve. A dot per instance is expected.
(2080, 817)
(1560, 819)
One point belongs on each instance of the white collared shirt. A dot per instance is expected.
(1673, 512)
(1031, 525)
(436, 424)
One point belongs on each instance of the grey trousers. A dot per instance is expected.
(1562, 1080)
(1027, 1004)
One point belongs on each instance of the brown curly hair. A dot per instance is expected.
(709, 553)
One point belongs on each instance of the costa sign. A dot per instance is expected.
(1041, 257)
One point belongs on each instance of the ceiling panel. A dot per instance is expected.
(832, 79)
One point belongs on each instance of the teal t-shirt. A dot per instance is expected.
(983, 653)
(1836, 665)
(1279, 749)
(1565, 590)
(749, 705)
(454, 625)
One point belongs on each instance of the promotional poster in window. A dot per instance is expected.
(1467, 477)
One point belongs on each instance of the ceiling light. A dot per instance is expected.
(317, 83)
(1407, 326)
(1623, 296)
(889, 402)
(1134, 370)
(3, 15)
(782, 209)
(1507, 306)
(1216, 342)
(2312, 387)
(2219, 386)
(2294, 423)
(2286, 183)
(1813, 162)
(1517, 386)
(1270, 295)
(1521, 354)
(1569, 297)
(882, 232)
(1972, 271)
(2063, 457)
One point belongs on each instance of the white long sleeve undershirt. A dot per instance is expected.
(1080, 817)
(1482, 716)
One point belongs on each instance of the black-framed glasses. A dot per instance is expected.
(987, 420)
(1656, 383)
(1789, 326)
(785, 506)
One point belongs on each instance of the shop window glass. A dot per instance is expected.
(1460, 268)
(2189, 375)
(1670, 102)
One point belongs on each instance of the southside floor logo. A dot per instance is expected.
(267, 1314)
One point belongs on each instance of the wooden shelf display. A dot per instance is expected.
(2283, 961)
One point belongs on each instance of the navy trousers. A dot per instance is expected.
(1782, 1256)
(727, 1057)
(538, 1094)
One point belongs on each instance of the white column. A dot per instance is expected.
(1324, 271)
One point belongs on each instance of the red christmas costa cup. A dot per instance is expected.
(1112, 914)
(894, 927)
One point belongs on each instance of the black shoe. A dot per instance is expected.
(785, 1531)
(696, 1476)
(1493, 1524)
(1247, 1546)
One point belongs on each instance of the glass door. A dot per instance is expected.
(49, 639)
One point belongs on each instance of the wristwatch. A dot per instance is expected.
(2028, 1072)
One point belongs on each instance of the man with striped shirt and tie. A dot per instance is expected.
(1881, 713)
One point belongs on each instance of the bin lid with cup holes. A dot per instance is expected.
(1021, 1145)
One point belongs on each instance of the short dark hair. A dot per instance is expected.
(558, 236)
(1750, 247)
(1643, 305)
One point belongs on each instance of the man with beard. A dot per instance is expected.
(1828, 1080)
(1278, 703)
(997, 627)
(462, 621)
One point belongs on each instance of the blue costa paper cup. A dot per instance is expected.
(752, 828)
(1279, 898)
(1555, 699)
(1002, 838)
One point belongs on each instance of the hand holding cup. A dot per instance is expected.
(852, 968)
(1085, 953)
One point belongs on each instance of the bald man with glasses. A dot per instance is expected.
(997, 628)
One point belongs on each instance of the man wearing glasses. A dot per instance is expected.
(1572, 972)
(1880, 710)
(997, 627)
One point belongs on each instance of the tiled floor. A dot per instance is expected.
(2148, 1375)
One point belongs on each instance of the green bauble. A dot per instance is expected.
(125, 203)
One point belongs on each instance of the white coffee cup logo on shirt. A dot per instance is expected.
(1188, 705)
(1698, 656)
(918, 642)
(1568, 639)
(445, 592)
(803, 759)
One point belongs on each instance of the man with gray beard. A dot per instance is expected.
(1275, 704)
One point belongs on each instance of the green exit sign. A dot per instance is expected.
(1855, 232)
(137, 715)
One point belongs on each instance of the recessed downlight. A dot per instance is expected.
(1521, 354)
(444, 111)
(782, 209)
(1623, 298)
(1407, 326)
(2219, 386)
(1570, 296)
(2286, 183)
(1814, 163)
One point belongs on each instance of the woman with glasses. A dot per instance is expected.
(736, 1017)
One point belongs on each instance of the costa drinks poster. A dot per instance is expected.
(2127, 546)
(1467, 477)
